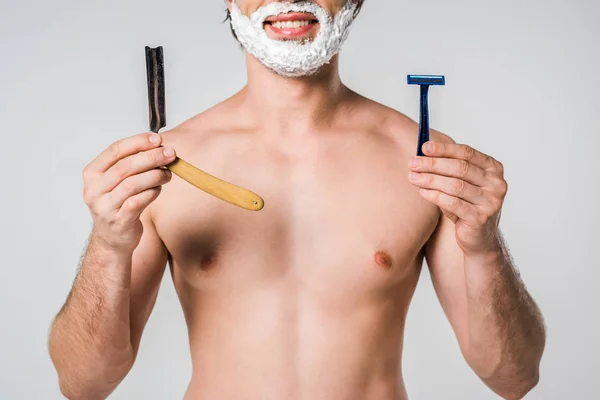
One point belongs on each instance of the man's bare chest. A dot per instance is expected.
(346, 215)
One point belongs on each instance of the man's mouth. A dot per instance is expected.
(291, 26)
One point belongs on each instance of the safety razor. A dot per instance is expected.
(425, 81)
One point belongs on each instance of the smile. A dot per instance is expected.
(291, 25)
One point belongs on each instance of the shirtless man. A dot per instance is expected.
(307, 298)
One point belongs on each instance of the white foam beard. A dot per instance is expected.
(293, 58)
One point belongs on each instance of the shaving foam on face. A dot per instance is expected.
(293, 58)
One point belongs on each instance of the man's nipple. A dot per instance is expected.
(209, 260)
(383, 260)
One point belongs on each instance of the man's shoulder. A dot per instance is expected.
(394, 124)
(202, 126)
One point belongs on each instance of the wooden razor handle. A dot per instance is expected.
(219, 188)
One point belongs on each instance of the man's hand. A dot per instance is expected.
(120, 183)
(469, 188)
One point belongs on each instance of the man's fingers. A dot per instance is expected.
(451, 167)
(121, 149)
(451, 186)
(451, 205)
(135, 185)
(458, 151)
(135, 164)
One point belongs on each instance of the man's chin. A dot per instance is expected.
(297, 74)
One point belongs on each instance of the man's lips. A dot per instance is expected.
(290, 25)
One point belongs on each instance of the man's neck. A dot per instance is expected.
(293, 106)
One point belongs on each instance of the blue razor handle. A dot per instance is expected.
(424, 81)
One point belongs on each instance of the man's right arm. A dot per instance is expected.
(95, 336)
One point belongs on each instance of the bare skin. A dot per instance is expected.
(321, 278)
(306, 299)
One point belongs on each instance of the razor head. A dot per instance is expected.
(426, 80)
(156, 88)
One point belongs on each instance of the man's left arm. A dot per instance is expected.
(498, 325)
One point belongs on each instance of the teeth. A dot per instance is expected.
(290, 24)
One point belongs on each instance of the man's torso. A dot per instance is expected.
(307, 298)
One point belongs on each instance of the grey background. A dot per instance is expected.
(522, 85)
